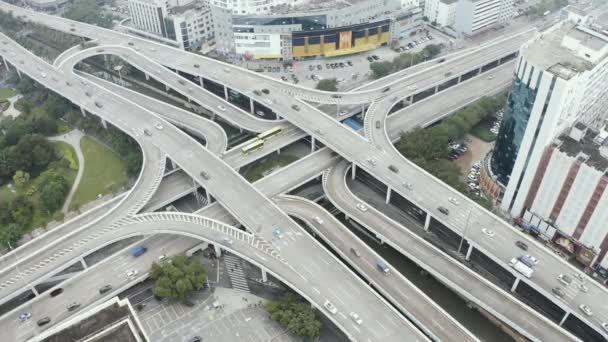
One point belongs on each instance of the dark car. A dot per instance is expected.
(73, 306)
(195, 339)
(56, 292)
(98, 104)
(558, 292)
(342, 65)
(370, 59)
(205, 175)
(386, 89)
(378, 125)
(393, 168)
(105, 289)
(375, 57)
(443, 210)
(319, 67)
(349, 63)
(295, 107)
(521, 245)
(441, 60)
(43, 321)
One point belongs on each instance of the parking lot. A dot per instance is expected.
(222, 316)
(350, 70)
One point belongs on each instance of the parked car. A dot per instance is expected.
(558, 292)
(564, 279)
(330, 307)
(586, 310)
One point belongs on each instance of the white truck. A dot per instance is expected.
(521, 267)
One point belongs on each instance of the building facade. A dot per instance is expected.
(441, 12)
(553, 87)
(149, 15)
(474, 16)
(568, 200)
(306, 31)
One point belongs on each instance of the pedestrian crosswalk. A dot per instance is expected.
(235, 273)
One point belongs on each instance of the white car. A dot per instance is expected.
(583, 288)
(605, 326)
(43, 75)
(227, 240)
(330, 307)
(407, 185)
(158, 126)
(342, 113)
(222, 108)
(372, 161)
(362, 207)
(453, 200)
(533, 259)
(269, 101)
(25, 316)
(356, 318)
(131, 273)
(318, 220)
(412, 87)
(586, 310)
(488, 232)
(579, 277)
(162, 257)
(564, 279)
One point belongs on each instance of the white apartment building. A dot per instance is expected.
(441, 12)
(561, 78)
(149, 15)
(243, 7)
(473, 16)
(188, 22)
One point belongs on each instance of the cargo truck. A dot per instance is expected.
(522, 268)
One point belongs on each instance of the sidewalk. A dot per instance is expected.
(72, 138)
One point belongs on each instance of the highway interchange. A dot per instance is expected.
(351, 145)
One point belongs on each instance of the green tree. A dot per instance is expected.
(432, 50)
(56, 105)
(21, 211)
(330, 84)
(381, 69)
(21, 178)
(10, 235)
(178, 278)
(88, 11)
(297, 316)
(52, 191)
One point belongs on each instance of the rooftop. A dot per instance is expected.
(547, 51)
(586, 149)
(448, 2)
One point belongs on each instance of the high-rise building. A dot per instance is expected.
(441, 12)
(561, 78)
(188, 22)
(474, 16)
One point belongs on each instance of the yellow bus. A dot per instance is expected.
(270, 133)
(256, 145)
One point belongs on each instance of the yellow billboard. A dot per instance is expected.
(345, 39)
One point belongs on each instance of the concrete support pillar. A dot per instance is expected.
(380, 237)
(564, 318)
(35, 291)
(208, 196)
(278, 151)
(218, 250)
(346, 217)
(167, 87)
(173, 165)
(147, 76)
(84, 263)
(410, 99)
(241, 130)
(226, 94)
(469, 251)
(353, 171)
(459, 79)
(264, 275)
(388, 196)
(427, 222)
(19, 73)
(200, 81)
(5, 63)
(436, 89)
(363, 109)
(514, 287)
(104, 123)
(84, 113)
(312, 144)
(251, 105)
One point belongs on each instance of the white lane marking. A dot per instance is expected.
(437, 324)
(316, 290)
(341, 314)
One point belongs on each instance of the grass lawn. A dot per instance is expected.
(104, 172)
(5, 93)
(482, 131)
(268, 165)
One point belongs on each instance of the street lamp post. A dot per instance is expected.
(118, 68)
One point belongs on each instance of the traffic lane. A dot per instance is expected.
(290, 274)
(457, 96)
(214, 135)
(457, 276)
(34, 246)
(403, 293)
(518, 38)
(83, 288)
(201, 96)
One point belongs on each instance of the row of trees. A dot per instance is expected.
(547, 5)
(177, 278)
(428, 148)
(405, 60)
(296, 315)
(89, 11)
(330, 84)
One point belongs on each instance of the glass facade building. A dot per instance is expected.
(512, 129)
